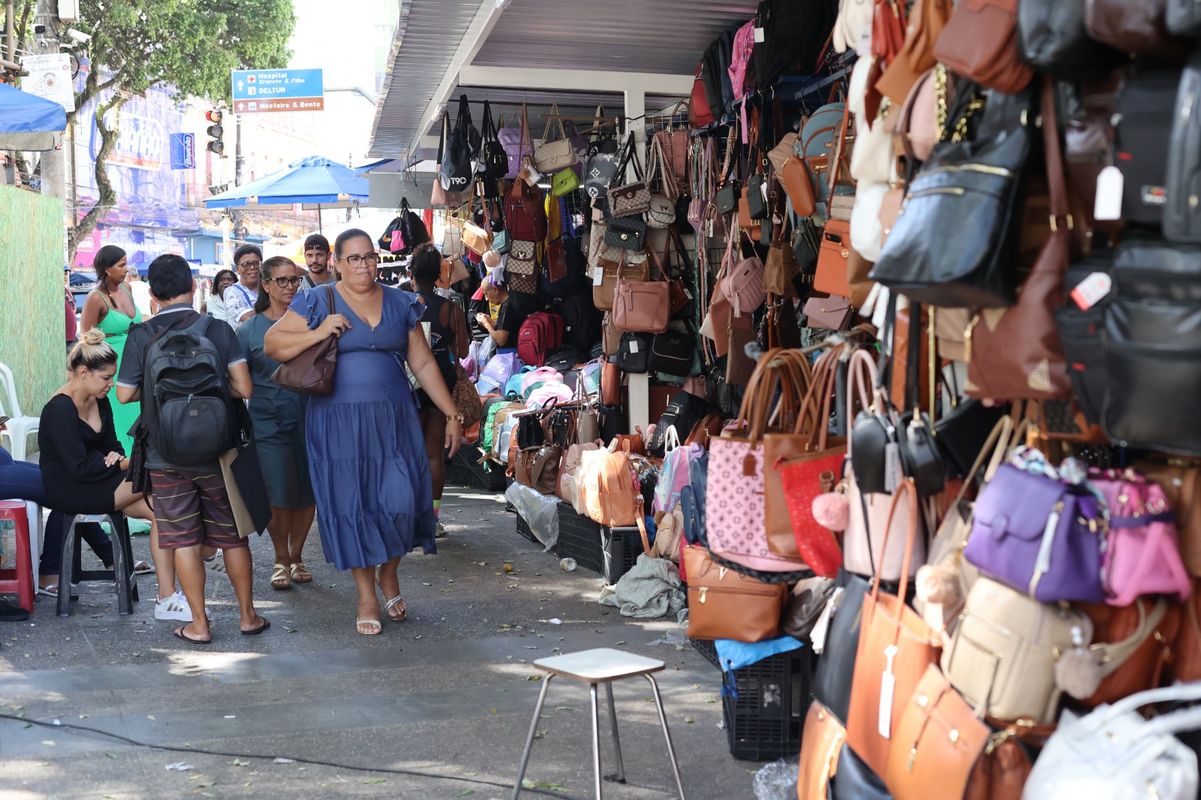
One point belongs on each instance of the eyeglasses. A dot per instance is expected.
(370, 259)
(284, 283)
(249, 265)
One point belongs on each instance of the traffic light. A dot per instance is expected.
(215, 132)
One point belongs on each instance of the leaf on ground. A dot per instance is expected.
(111, 755)
(375, 780)
(540, 735)
(466, 793)
(240, 763)
(533, 677)
(492, 711)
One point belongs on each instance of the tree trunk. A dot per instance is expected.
(107, 195)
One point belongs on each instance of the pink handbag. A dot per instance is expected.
(743, 283)
(641, 306)
(1142, 554)
(735, 513)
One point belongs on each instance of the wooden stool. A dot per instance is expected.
(594, 667)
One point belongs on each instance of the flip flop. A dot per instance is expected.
(48, 591)
(142, 568)
(391, 604)
(179, 634)
(256, 631)
(374, 630)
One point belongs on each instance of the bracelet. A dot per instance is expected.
(455, 418)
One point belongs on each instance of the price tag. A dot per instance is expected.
(893, 475)
(1108, 205)
(633, 345)
(1092, 290)
(760, 36)
(598, 276)
(888, 687)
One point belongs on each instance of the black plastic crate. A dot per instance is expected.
(764, 721)
(708, 649)
(580, 538)
(619, 549)
(463, 470)
(523, 529)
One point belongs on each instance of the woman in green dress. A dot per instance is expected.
(110, 308)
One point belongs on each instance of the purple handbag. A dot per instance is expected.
(1039, 537)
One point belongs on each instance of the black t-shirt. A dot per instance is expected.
(138, 342)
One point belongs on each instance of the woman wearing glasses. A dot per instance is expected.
(278, 416)
(365, 446)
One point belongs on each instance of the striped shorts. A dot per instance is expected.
(193, 510)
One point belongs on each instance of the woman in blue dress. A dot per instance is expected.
(366, 451)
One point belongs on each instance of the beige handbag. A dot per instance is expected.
(668, 531)
(558, 154)
(1002, 657)
(853, 22)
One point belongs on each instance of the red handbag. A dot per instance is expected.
(803, 481)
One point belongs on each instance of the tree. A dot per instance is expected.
(191, 45)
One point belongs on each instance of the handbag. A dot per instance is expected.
(525, 211)
(961, 434)
(467, 399)
(1054, 39)
(926, 20)
(1131, 648)
(1003, 653)
(830, 313)
(493, 157)
(832, 259)
(630, 199)
(936, 743)
(855, 780)
(735, 511)
(724, 604)
(1039, 536)
(742, 283)
(840, 644)
(558, 154)
(633, 354)
(564, 182)
(794, 177)
(604, 290)
(627, 233)
(822, 738)
(1134, 28)
(641, 306)
(672, 353)
(312, 370)
(895, 648)
(1180, 480)
(980, 42)
(1142, 551)
(1115, 752)
(456, 169)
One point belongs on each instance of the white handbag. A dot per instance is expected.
(867, 234)
(554, 155)
(1114, 753)
(853, 23)
(662, 212)
(872, 157)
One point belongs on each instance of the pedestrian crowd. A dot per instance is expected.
(155, 410)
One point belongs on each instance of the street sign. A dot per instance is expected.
(260, 90)
(183, 151)
(50, 77)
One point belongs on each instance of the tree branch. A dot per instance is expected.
(107, 196)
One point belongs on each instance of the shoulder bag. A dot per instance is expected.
(312, 370)
(1137, 28)
(525, 210)
(495, 159)
(926, 21)
(642, 306)
(457, 168)
(895, 648)
(1131, 648)
(840, 645)
(724, 604)
(630, 199)
(743, 283)
(980, 42)
(1180, 480)
(822, 738)
(604, 290)
(558, 154)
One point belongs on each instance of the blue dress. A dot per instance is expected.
(366, 450)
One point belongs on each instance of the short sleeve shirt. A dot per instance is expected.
(238, 300)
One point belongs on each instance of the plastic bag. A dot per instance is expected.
(777, 780)
(540, 511)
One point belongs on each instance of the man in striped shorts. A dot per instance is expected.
(191, 505)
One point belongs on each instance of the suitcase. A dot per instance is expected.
(1182, 215)
(1146, 108)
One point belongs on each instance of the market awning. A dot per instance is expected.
(29, 122)
(630, 55)
(311, 181)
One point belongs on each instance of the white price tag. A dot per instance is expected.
(1108, 205)
(633, 344)
(760, 36)
(893, 474)
(598, 276)
(888, 687)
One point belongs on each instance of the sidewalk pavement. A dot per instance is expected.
(450, 691)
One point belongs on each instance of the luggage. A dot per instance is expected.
(539, 334)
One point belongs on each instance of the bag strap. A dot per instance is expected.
(523, 136)
(1115, 654)
(553, 118)
(1061, 214)
(731, 148)
(1180, 693)
(861, 383)
(442, 137)
(905, 489)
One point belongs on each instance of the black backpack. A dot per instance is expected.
(582, 322)
(493, 157)
(456, 149)
(1146, 113)
(793, 35)
(185, 396)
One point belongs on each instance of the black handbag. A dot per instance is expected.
(855, 780)
(755, 201)
(493, 156)
(1182, 215)
(871, 435)
(970, 185)
(530, 431)
(836, 666)
(1153, 348)
(628, 233)
(726, 199)
(961, 434)
(672, 353)
(1081, 332)
(920, 456)
(1053, 39)
(683, 411)
(1146, 114)
(457, 170)
(633, 355)
(611, 422)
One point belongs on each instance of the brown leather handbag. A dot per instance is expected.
(1002, 769)
(980, 42)
(895, 648)
(1186, 663)
(832, 259)
(822, 739)
(1180, 480)
(1132, 645)
(1015, 353)
(611, 389)
(312, 370)
(926, 21)
(936, 742)
(798, 186)
(723, 604)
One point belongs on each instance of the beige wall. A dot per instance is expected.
(32, 315)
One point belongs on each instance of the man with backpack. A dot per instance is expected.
(188, 373)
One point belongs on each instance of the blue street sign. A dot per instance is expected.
(183, 151)
(277, 84)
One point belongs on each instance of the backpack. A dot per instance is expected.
(817, 141)
(741, 79)
(497, 372)
(456, 150)
(539, 335)
(581, 320)
(503, 423)
(186, 399)
(794, 33)
(513, 384)
(487, 427)
(692, 500)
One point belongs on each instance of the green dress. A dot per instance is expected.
(115, 325)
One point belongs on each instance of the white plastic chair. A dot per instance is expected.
(19, 427)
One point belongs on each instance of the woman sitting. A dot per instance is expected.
(84, 469)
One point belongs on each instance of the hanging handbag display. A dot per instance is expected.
(628, 233)
(963, 186)
(1115, 752)
(641, 306)
(604, 158)
(629, 199)
(1054, 39)
(832, 313)
(936, 743)
(838, 649)
(926, 21)
(724, 604)
(604, 286)
(1002, 656)
(312, 371)
(457, 169)
(1134, 28)
(558, 154)
(822, 738)
(980, 42)
(493, 157)
(895, 648)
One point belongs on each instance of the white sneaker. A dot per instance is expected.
(215, 565)
(440, 532)
(174, 608)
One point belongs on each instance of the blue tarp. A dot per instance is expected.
(22, 112)
(311, 180)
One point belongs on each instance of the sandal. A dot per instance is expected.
(300, 573)
(279, 578)
(179, 634)
(373, 627)
(49, 591)
(256, 631)
(142, 568)
(393, 603)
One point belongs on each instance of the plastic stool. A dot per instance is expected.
(594, 667)
(121, 575)
(22, 582)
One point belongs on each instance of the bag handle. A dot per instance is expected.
(861, 383)
(523, 137)
(1115, 654)
(552, 119)
(442, 137)
(1180, 693)
(905, 489)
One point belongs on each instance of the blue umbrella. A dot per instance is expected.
(29, 122)
(314, 180)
